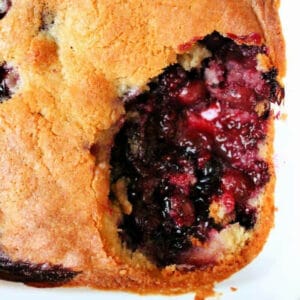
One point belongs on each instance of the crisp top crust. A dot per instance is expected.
(128, 41)
(72, 57)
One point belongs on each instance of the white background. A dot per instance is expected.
(275, 274)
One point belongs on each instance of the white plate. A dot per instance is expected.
(274, 275)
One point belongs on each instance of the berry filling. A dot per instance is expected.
(188, 154)
(9, 80)
(4, 7)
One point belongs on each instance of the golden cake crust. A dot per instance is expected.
(73, 58)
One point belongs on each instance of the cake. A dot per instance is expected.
(136, 140)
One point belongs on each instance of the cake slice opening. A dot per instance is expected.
(187, 167)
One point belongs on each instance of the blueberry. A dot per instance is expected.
(246, 216)
(9, 79)
(4, 7)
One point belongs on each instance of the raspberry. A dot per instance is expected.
(191, 92)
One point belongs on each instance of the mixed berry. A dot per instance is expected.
(189, 150)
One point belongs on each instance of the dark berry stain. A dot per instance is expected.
(4, 7)
(47, 20)
(193, 137)
(34, 273)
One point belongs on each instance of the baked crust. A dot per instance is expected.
(74, 58)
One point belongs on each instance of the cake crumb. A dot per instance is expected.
(123, 272)
(233, 289)
(206, 291)
(283, 117)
